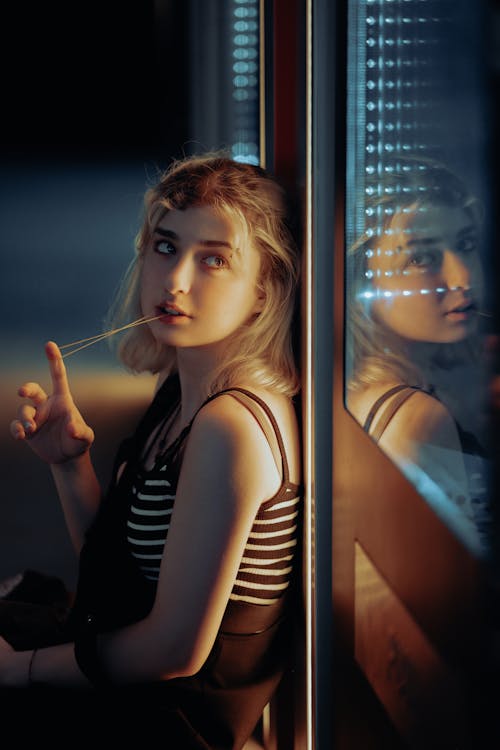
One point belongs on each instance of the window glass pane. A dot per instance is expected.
(416, 236)
(224, 83)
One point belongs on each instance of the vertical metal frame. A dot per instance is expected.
(325, 151)
(307, 398)
(324, 155)
(284, 27)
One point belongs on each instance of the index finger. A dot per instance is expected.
(57, 369)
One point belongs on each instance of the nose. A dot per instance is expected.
(456, 271)
(178, 276)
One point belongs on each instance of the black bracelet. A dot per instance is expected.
(30, 667)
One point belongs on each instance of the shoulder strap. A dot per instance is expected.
(252, 402)
(163, 401)
(396, 397)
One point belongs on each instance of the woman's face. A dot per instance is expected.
(200, 276)
(426, 275)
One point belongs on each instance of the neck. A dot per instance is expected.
(196, 369)
(456, 376)
(423, 356)
(431, 358)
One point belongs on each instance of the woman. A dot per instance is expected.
(417, 381)
(187, 564)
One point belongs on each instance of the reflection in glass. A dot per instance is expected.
(415, 339)
(416, 365)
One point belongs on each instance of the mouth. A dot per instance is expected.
(461, 313)
(172, 311)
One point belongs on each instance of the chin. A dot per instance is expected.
(457, 338)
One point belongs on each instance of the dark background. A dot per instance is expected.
(94, 79)
(94, 99)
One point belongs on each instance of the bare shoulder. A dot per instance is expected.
(229, 425)
(424, 419)
(224, 448)
(426, 411)
(421, 418)
(419, 404)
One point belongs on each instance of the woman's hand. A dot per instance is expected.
(14, 666)
(52, 425)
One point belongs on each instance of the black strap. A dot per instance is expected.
(405, 392)
(269, 414)
(166, 398)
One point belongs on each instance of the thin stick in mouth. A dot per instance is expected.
(84, 343)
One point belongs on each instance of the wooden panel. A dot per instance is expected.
(424, 697)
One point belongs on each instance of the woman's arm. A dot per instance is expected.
(80, 495)
(228, 471)
(54, 665)
(56, 431)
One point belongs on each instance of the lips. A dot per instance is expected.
(465, 307)
(171, 310)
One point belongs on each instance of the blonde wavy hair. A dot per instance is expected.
(262, 352)
(374, 353)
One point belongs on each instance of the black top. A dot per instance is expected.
(220, 705)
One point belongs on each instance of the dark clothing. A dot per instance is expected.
(266, 564)
(35, 612)
(219, 706)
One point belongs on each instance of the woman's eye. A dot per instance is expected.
(467, 245)
(164, 247)
(423, 259)
(215, 261)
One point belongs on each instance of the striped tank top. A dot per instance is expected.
(268, 559)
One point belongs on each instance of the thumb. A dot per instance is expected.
(77, 429)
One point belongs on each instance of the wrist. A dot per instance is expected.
(17, 672)
(73, 464)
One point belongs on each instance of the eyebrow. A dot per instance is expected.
(205, 243)
(471, 229)
(424, 241)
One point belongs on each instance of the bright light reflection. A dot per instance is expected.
(377, 292)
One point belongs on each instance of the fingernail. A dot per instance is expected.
(27, 426)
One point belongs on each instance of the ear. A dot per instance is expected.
(259, 302)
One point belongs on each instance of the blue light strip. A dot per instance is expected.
(245, 69)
